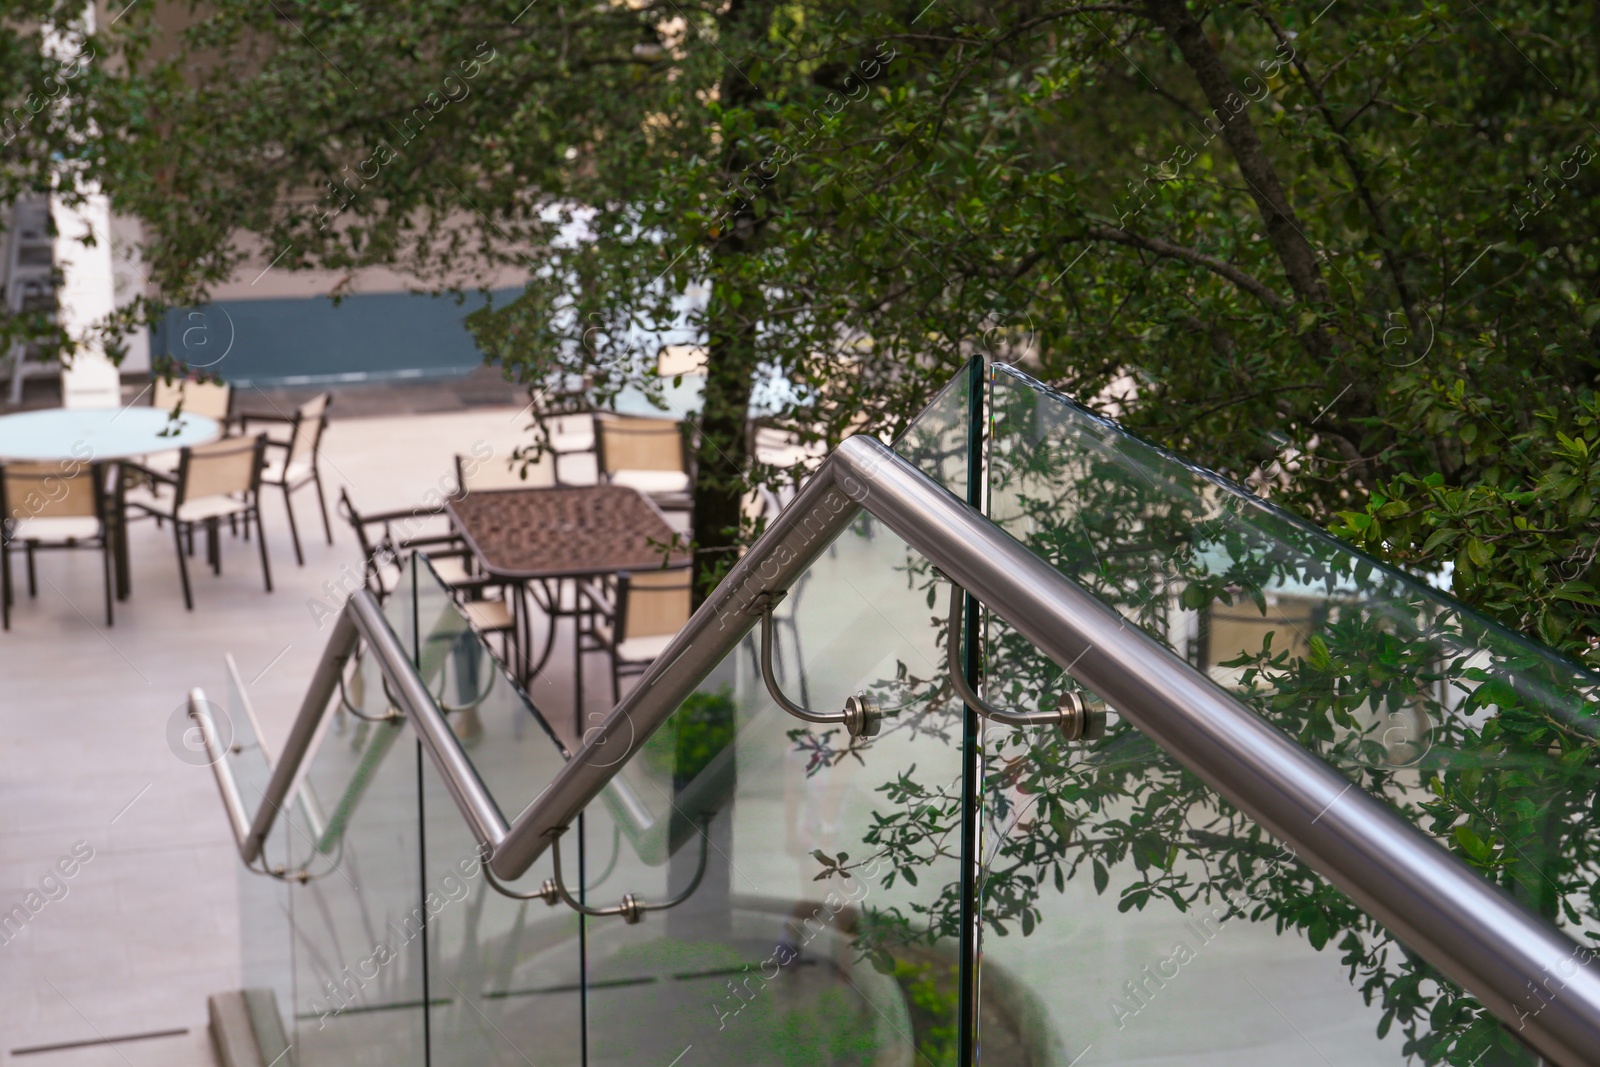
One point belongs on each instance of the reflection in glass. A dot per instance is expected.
(818, 933)
(1113, 856)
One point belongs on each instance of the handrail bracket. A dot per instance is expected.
(1074, 716)
(861, 717)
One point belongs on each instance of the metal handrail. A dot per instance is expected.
(291, 763)
(460, 777)
(232, 803)
(1468, 928)
(361, 621)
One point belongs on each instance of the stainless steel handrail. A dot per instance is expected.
(361, 620)
(406, 686)
(1471, 930)
(286, 772)
(216, 753)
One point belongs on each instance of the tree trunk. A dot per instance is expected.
(721, 458)
(1230, 109)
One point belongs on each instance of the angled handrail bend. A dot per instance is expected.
(1470, 929)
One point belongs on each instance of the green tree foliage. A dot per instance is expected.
(1289, 227)
(52, 75)
(1345, 253)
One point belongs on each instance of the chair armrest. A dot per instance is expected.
(245, 419)
(595, 594)
(148, 472)
(457, 548)
(401, 513)
(277, 420)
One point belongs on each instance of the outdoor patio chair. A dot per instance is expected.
(221, 480)
(50, 506)
(385, 538)
(489, 604)
(497, 472)
(650, 455)
(296, 463)
(214, 400)
(385, 546)
(562, 412)
(631, 617)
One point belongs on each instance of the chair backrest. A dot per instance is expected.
(652, 603)
(309, 418)
(213, 400)
(497, 472)
(347, 508)
(210, 399)
(67, 490)
(375, 552)
(166, 393)
(232, 465)
(674, 360)
(626, 443)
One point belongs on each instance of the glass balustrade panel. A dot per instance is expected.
(266, 942)
(823, 928)
(504, 975)
(938, 441)
(1111, 856)
(358, 917)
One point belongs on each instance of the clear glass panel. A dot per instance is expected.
(359, 918)
(505, 976)
(266, 943)
(937, 441)
(1112, 857)
(507, 738)
(823, 930)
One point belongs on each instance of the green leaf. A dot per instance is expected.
(1480, 552)
(1472, 844)
(1439, 539)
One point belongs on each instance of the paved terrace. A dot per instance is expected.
(149, 926)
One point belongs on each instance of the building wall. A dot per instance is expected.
(306, 340)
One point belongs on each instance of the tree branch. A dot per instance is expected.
(1358, 174)
(1221, 267)
(1294, 251)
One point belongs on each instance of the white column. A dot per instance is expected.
(86, 301)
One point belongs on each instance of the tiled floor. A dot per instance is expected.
(148, 925)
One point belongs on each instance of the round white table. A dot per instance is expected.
(94, 435)
(100, 435)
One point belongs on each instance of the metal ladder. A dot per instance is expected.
(29, 283)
